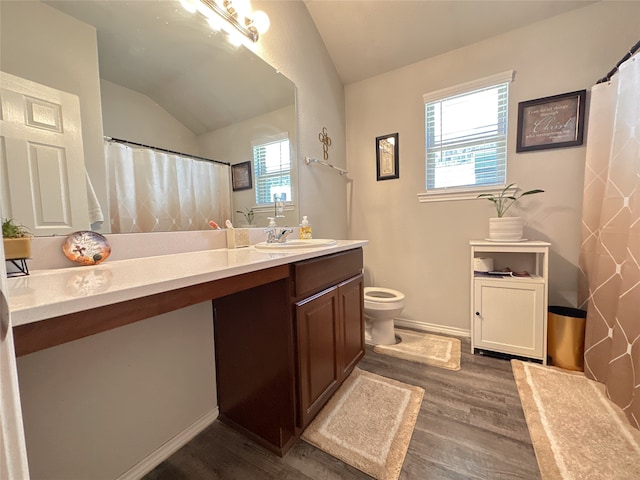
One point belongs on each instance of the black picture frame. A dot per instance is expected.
(387, 157)
(241, 176)
(551, 122)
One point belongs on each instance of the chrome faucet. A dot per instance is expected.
(277, 234)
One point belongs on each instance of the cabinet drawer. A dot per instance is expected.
(311, 276)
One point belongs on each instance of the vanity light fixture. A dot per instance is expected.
(237, 13)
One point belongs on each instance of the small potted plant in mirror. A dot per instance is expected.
(16, 239)
(501, 228)
(248, 215)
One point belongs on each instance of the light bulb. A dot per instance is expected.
(261, 21)
(214, 23)
(188, 5)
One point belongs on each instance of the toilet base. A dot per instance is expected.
(379, 332)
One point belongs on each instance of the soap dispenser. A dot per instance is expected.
(305, 229)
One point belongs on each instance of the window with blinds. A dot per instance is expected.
(272, 167)
(466, 134)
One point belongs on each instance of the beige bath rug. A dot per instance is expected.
(368, 423)
(424, 348)
(576, 431)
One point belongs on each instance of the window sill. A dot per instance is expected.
(451, 194)
(288, 207)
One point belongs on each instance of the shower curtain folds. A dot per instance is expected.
(155, 191)
(609, 286)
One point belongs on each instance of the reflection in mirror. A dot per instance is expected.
(160, 77)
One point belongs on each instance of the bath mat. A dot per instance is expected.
(443, 352)
(576, 431)
(368, 423)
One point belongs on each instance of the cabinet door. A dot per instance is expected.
(509, 317)
(317, 322)
(351, 295)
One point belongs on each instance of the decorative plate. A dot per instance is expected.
(86, 248)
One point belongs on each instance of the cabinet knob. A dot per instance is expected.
(477, 314)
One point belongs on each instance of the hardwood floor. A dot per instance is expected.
(470, 426)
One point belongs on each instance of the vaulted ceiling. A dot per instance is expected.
(369, 37)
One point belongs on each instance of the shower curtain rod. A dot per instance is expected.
(119, 140)
(626, 57)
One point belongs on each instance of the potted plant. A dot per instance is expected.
(248, 214)
(16, 239)
(501, 227)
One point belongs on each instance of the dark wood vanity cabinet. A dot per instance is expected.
(282, 349)
(330, 343)
(329, 327)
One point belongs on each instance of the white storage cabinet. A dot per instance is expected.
(509, 314)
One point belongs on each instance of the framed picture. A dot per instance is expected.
(551, 122)
(241, 176)
(387, 158)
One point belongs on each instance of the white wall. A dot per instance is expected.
(132, 116)
(294, 47)
(422, 248)
(95, 407)
(233, 144)
(66, 62)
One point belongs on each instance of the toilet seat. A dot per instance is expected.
(382, 295)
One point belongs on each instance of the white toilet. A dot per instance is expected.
(381, 306)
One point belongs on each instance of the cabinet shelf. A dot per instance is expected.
(509, 313)
(532, 278)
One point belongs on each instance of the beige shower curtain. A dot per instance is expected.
(610, 253)
(153, 191)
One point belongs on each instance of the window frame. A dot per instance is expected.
(289, 204)
(471, 191)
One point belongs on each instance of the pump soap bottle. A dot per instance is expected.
(305, 229)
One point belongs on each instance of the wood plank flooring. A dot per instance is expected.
(470, 426)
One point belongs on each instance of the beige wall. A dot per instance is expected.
(66, 62)
(422, 248)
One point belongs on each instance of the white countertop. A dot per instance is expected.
(51, 293)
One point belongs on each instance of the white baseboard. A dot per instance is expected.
(430, 327)
(155, 458)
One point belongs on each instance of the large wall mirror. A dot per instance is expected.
(159, 76)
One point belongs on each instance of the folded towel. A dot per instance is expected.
(95, 211)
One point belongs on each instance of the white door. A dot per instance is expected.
(43, 175)
(13, 453)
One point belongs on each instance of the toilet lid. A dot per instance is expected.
(382, 295)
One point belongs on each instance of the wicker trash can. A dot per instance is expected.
(565, 337)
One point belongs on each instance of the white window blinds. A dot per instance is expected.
(466, 134)
(272, 167)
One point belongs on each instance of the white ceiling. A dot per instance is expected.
(366, 38)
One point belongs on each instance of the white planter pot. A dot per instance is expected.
(505, 228)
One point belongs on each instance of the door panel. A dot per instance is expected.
(317, 332)
(43, 173)
(508, 317)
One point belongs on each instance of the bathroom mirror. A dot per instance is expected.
(157, 51)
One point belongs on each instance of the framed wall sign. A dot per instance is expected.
(551, 122)
(387, 158)
(241, 176)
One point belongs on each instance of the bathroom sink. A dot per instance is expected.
(294, 244)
